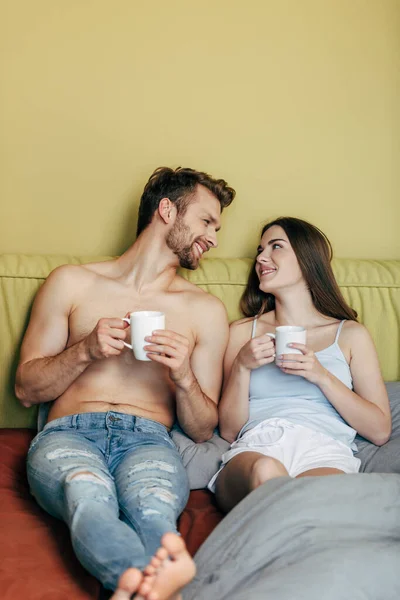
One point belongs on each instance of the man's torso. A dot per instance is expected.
(122, 383)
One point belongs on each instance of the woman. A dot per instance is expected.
(296, 414)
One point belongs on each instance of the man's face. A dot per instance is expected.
(196, 231)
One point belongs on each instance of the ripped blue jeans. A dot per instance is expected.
(116, 480)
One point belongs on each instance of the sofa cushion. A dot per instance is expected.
(202, 460)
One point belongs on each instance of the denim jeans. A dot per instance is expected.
(117, 481)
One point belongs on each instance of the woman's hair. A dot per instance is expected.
(313, 251)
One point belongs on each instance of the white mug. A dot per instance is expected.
(143, 323)
(288, 334)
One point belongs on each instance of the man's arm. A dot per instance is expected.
(46, 368)
(198, 377)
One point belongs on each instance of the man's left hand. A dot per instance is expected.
(172, 350)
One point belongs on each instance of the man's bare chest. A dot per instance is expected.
(106, 303)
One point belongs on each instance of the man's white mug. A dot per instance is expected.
(288, 334)
(143, 323)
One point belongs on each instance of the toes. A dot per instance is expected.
(146, 586)
(173, 544)
(121, 595)
(156, 562)
(128, 584)
(162, 553)
(150, 569)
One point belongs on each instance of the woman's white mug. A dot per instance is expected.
(143, 323)
(288, 334)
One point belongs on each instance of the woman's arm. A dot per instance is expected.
(241, 357)
(367, 408)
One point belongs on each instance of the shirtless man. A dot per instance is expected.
(105, 463)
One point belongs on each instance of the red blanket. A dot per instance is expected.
(37, 561)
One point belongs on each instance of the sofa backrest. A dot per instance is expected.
(371, 287)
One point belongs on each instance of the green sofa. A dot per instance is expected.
(370, 287)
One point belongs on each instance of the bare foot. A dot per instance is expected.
(128, 584)
(170, 569)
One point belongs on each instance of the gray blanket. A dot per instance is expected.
(327, 538)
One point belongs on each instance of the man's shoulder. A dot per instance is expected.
(88, 271)
(68, 282)
(199, 296)
(205, 311)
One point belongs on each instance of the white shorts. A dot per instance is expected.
(297, 447)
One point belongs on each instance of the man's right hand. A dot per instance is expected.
(106, 339)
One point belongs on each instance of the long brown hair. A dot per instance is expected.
(313, 251)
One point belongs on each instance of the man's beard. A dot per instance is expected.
(177, 241)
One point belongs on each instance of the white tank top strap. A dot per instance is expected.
(254, 327)
(339, 329)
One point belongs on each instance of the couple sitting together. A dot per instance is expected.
(105, 463)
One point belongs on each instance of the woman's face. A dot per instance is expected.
(276, 263)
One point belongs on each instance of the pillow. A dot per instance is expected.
(386, 458)
(202, 460)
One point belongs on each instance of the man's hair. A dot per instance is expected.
(179, 186)
(313, 251)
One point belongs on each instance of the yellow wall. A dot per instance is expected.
(295, 102)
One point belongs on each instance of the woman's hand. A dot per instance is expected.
(257, 352)
(305, 364)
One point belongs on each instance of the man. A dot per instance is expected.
(104, 462)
